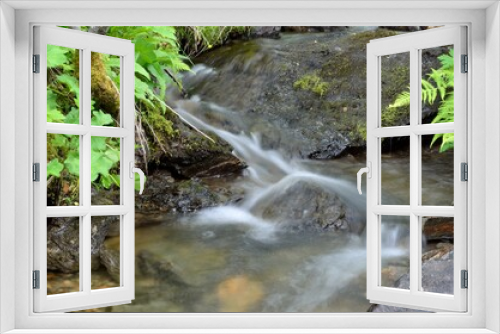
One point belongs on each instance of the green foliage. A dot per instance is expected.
(156, 54)
(159, 58)
(63, 94)
(313, 83)
(196, 40)
(438, 87)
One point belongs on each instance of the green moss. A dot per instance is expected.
(160, 124)
(312, 83)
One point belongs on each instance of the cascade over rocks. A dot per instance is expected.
(305, 94)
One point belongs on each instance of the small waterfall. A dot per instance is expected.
(271, 174)
(320, 279)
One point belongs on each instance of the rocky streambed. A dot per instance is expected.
(266, 217)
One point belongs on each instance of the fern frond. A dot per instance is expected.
(402, 100)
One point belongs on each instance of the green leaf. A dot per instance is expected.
(54, 114)
(71, 83)
(73, 117)
(100, 118)
(100, 165)
(72, 163)
(402, 100)
(142, 71)
(56, 56)
(54, 168)
(59, 141)
(98, 143)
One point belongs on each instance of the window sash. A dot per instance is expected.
(86, 297)
(413, 43)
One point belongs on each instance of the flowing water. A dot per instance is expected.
(234, 259)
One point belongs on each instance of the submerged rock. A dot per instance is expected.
(305, 205)
(239, 294)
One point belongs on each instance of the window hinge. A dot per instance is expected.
(36, 279)
(465, 64)
(36, 172)
(464, 171)
(465, 279)
(36, 63)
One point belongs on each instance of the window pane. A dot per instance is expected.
(437, 85)
(395, 251)
(105, 88)
(437, 169)
(106, 259)
(437, 254)
(63, 85)
(105, 171)
(63, 255)
(395, 171)
(395, 89)
(63, 170)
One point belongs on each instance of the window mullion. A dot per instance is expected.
(85, 163)
(414, 169)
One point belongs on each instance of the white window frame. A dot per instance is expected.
(85, 43)
(413, 44)
(482, 315)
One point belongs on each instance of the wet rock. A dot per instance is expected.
(185, 152)
(161, 195)
(438, 228)
(63, 238)
(266, 32)
(304, 29)
(437, 276)
(239, 294)
(405, 28)
(110, 257)
(150, 266)
(305, 205)
(312, 101)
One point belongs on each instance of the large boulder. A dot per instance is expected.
(307, 205)
(63, 242)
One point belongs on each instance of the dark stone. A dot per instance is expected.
(306, 29)
(266, 32)
(437, 276)
(164, 194)
(188, 154)
(438, 228)
(306, 205)
(110, 257)
(63, 239)
(404, 28)
(262, 81)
